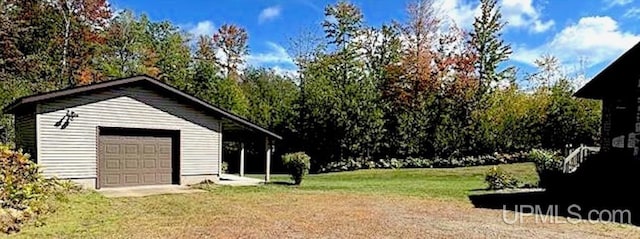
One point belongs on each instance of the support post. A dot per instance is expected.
(220, 154)
(242, 159)
(267, 174)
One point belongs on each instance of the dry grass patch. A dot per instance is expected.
(301, 214)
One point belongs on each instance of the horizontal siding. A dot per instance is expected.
(25, 126)
(71, 152)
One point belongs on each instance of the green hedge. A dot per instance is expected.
(411, 162)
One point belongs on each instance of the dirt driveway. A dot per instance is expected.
(331, 215)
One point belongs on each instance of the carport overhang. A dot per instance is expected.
(231, 124)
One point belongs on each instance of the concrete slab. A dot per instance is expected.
(235, 180)
(142, 191)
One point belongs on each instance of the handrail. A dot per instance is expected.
(575, 158)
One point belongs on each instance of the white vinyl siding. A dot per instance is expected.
(71, 152)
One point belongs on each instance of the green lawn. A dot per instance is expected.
(454, 183)
(365, 203)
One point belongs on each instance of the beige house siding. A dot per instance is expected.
(25, 126)
(70, 152)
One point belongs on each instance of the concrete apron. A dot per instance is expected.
(235, 180)
(142, 191)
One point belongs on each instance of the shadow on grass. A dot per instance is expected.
(601, 189)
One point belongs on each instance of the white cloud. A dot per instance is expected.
(275, 58)
(288, 72)
(276, 55)
(596, 39)
(613, 3)
(269, 14)
(633, 12)
(206, 28)
(458, 11)
(539, 26)
(517, 13)
(522, 13)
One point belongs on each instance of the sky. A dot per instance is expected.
(586, 35)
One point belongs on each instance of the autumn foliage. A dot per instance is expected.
(420, 87)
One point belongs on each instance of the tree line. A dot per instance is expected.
(419, 88)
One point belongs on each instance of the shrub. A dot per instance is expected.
(390, 163)
(414, 162)
(548, 166)
(20, 181)
(498, 179)
(297, 164)
(24, 192)
(225, 167)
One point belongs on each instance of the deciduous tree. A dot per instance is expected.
(231, 40)
(81, 21)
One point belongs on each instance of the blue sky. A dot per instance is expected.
(593, 32)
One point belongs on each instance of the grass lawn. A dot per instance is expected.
(453, 184)
(362, 204)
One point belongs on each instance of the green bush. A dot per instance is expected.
(498, 179)
(225, 167)
(548, 166)
(24, 192)
(297, 164)
(414, 162)
(20, 181)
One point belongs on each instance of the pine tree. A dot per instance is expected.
(486, 40)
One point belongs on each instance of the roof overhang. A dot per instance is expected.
(226, 116)
(620, 77)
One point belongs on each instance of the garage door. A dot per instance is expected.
(134, 160)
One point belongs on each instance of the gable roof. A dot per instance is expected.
(34, 99)
(620, 77)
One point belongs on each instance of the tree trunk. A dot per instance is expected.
(65, 45)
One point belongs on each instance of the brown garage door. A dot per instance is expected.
(134, 160)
